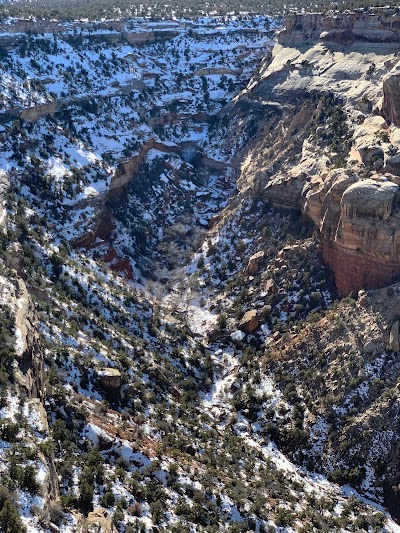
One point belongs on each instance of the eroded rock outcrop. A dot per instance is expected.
(334, 152)
(250, 322)
(359, 226)
(30, 373)
(255, 263)
(394, 343)
(391, 99)
(29, 376)
(128, 169)
(97, 521)
(380, 25)
(110, 378)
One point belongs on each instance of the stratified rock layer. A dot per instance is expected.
(360, 230)
(391, 99)
(334, 149)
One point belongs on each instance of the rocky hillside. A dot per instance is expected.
(334, 136)
(182, 204)
(327, 150)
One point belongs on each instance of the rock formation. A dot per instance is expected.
(375, 26)
(250, 322)
(359, 229)
(391, 99)
(127, 169)
(98, 520)
(110, 378)
(30, 374)
(333, 151)
(394, 343)
(256, 261)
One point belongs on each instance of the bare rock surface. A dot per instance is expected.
(341, 170)
(110, 377)
(394, 343)
(256, 261)
(250, 322)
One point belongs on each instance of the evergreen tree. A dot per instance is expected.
(10, 521)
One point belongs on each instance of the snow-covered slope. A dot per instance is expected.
(159, 408)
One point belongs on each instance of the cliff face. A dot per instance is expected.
(359, 226)
(126, 171)
(391, 99)
(335, 150)
(377, 26)
(30, 374)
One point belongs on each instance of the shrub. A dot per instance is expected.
(56, 514)
(85, 494)
(283, 517)
(108, 498)
(9, 431)
(10, 521)
(157, 511)
(135, 510)
(24, 477)
(222, 321)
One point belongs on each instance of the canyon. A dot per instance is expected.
(199, 262)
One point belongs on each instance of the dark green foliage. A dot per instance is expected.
(56, 514)
(108, 499)
(24, 477)
(7, 351)
(157, 510)
(56, 263)
(86, 492)
(9, 430)
(10, 522)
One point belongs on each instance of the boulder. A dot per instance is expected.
(250, 322)
(371, 347)
(256, 262)
(110, 377)
(237, 335)
(270, 287)
(363, 298)
(367, 144)
(369, 199)
(264, 312)
(392, 164)
(99, 521)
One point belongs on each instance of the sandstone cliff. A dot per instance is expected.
(374, 26)
(29, 374)
(333, 150)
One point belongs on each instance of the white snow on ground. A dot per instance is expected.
(12, 406)
(391, 526)
(94, 433)
(200, 320)
(124, 448)
(112, 137)
(31, 412)
(25, 502)
(19, 342)
(238, 335)
(216, 402)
